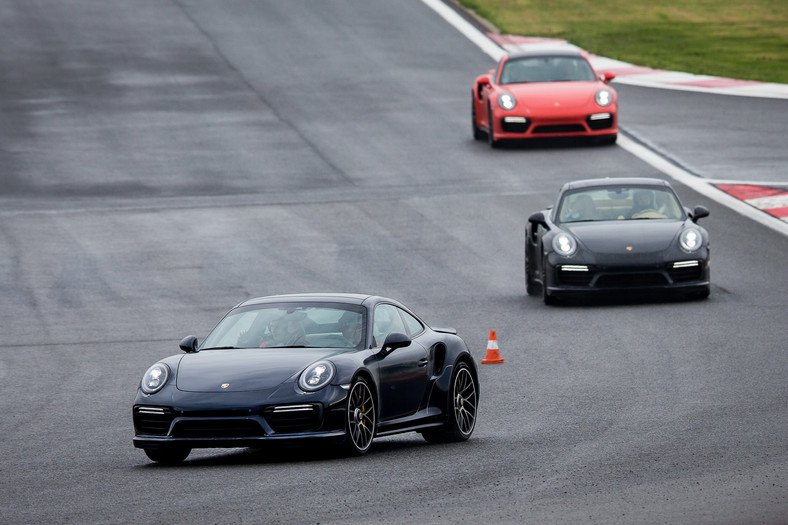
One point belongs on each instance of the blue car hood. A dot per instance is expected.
(625, 236)
(245, 369)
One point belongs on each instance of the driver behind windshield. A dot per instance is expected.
(582, 208)
(285, 331)
(350, 324)
(642, 200)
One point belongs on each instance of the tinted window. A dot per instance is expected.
(386, 321)
(547, 69)
(619, 203)
(289, 325)
(414, 325)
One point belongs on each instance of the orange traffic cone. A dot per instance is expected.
(493, 355)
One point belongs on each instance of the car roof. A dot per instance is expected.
(610, 181)
(556, 52)
(350, 298)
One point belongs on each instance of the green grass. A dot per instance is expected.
(737, 39)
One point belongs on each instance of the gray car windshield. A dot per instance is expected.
(620, 203)
(547, 69)
(289, 325)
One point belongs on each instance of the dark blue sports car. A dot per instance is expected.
(614, 236)
(336, 367)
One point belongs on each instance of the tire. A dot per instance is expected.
(361, 418)
(703, 294)
(168, 455)
(490, 133)
(546, 297)
(478, 134)
(530, 286)
(463, 402)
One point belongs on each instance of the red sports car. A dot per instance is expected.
(544, 94)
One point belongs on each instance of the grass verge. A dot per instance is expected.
(726, 38)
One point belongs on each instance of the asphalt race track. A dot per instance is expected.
(160, 161)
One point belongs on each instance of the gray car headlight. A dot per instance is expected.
(316, 376)
(604, 97)
(690, 240)
(564, 244)
(507, 101)
(155, 378)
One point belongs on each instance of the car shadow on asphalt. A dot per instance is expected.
(624, 299)
(295, 453)
(551, 143)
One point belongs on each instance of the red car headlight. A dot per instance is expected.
(604, 97)
(507, 101)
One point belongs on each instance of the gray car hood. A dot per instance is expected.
(244, 369)
(625, 236)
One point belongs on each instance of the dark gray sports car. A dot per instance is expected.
(614, 236)
(337, 367)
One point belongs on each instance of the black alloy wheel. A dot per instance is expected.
(361, 418)
(463, 403)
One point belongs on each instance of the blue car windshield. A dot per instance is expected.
(619, 203)
(547, 69)
(289, 326)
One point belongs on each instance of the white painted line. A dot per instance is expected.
(767, 203)
(769, 184)
(702, 186)
(466, 28)
(655, 80)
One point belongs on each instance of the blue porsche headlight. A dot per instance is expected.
(316, 376)
(507, 101)
(604, 97)
(564, 244)
(690, 240)
(155, 378)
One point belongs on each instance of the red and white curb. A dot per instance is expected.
(646, 77)
(773, 201)
(496, 45)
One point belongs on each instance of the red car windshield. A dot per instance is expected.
(547, 69)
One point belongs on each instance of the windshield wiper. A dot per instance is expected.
(222, 348)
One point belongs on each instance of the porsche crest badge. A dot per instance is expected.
(225, 385)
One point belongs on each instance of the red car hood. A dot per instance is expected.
(549, 95)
